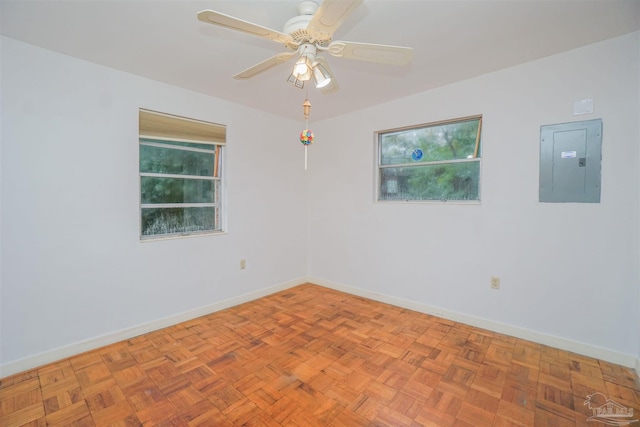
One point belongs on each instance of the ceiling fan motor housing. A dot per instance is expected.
(307, 7)
(297, 26)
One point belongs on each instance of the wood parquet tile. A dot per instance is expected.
(311, 356)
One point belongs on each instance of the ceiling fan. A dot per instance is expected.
(308, 35)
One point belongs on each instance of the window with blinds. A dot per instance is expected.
(180, 176)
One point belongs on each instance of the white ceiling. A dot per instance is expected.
(453, 40)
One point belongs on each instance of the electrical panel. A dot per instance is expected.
(570, 162)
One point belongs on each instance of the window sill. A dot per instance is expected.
(429, 202)
(182, 236)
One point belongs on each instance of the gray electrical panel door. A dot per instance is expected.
(570, 157)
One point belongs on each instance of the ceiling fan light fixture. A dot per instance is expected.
(303, 68)
(321, 77)
(294, 81)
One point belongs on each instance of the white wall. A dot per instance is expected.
(638, 240)
(73, 267)
(568, 271)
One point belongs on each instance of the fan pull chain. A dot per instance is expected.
(306, 126)
(306, 136)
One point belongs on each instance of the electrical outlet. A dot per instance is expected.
(243, 264)
(495, 283)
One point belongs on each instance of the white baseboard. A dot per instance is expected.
(60, 353)
(503, 328)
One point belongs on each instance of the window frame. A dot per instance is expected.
(159, 130)
(477, 157)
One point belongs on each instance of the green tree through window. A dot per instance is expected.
(180, 179)
(439, 161)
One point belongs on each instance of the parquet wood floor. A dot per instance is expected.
(311, 356)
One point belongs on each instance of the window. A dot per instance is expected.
(436, 161)
(180, 175)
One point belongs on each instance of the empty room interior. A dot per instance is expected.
(332, 213)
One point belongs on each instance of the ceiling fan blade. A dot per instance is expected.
(383, 54)
(333, 85)
(222, 20)
(264, 65)
(330, 15)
